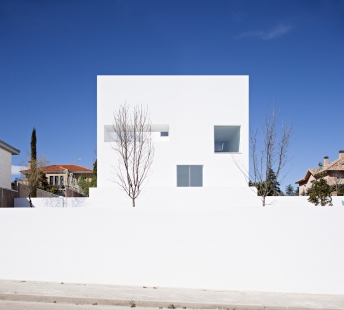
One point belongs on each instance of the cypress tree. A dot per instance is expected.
(94, 177)
(33, 172)
(33, 145)
(95, 168)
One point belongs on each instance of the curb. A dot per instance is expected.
(142, 303)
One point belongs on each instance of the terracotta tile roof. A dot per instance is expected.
(314, 170)
(310, 171)
(336, 165)
(69, 167)
(62, 167)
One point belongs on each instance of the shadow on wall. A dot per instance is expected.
(63, 203)
(60, 202)
(76, 202)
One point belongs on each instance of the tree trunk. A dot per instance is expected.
(133, 202)
(30, 201)
(263, 201)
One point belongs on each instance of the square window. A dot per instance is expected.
(190, 176)
(164, 134)
(226, 139)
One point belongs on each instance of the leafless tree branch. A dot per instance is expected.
(133, 143)
(268, 151)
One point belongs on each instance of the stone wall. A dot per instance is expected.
(23, 190)
(71, 193)
(7, 197)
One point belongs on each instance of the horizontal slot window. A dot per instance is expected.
(161, 130)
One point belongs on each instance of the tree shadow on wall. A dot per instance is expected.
(65, 202)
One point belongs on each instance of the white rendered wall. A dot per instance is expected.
(176, 197)
(60, 202)
(170, 198)
(191, 106)
(280, 248)
(5, 168)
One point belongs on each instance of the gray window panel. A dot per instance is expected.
(61, 181)
(51, 180)
(164, 134)
(56, 180)
(182, 176)
(190, 176)
(196, 176)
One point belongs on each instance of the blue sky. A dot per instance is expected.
(52, 51)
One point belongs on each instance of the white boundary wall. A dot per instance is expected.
(60, 202)
(181, 197)
(279, 248)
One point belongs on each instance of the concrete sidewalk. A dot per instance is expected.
(95, 294)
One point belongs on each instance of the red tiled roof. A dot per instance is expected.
(62, 167)
(68, 167)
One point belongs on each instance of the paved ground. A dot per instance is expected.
(32, 305)
(47, 295)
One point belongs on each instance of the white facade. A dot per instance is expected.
(195, 111)
(6, 152)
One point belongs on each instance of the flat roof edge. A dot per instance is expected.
(179, 75)
(9, 148)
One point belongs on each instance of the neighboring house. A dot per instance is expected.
(6, 152)
(199, 124)
(59, 175)
(333, 171)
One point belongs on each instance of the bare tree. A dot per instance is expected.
(268, 153)
(34, 176)
(336, 180)
(133, 144)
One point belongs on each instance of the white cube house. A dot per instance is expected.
(199, 124)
